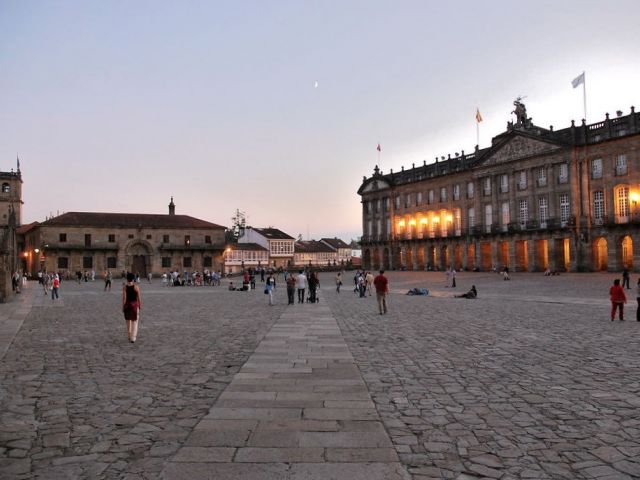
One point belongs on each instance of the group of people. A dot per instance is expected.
(191, 279)
(362, 282)
(50, 282)
(303, 284)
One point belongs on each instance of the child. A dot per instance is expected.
(618, 299)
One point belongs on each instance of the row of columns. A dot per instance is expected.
(568, 253)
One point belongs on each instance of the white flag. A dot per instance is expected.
(578, 80)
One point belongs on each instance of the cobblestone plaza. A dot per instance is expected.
(530, 380)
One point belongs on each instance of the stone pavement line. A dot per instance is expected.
(13, 313)
(298, 409)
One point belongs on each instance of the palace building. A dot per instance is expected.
(536, 199)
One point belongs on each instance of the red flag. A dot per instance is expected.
(379, 148)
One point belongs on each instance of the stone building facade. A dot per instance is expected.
(536, 199)
(10, 220)
(279, 244)
(139, 243)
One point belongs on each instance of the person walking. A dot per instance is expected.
(301, 285)
(453, 277)
(269, 286)
(107, 281)
(291, 289)
(382, 288)
(55, 285)
(625, 278)
(368, 278)
(618, 299)
(131, 305)
(314, 283)
(338, 281)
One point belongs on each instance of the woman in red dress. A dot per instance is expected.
(131, 305)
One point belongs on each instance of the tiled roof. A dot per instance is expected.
(246, 246)
(273, 234)
(335, 242)
(311, 246)
(26, 228)
(128, 220)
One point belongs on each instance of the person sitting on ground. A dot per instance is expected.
(418, 291)
(231, 287)
(473, 293)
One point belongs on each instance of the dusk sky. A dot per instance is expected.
(115, 106)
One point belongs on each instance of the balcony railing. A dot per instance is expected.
(621, 170)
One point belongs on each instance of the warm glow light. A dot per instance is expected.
(423, 221)
(25, 254)
(412, 222)
(37, 250)
(634, 197)
(449, 218)
(435, 220)
(401, 223)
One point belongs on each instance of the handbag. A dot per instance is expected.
(266, 291)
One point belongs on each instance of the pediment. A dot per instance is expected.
(374, 184)
(519, 147)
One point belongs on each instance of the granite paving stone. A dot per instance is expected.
(530, 380)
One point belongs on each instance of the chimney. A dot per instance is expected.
(172, 207)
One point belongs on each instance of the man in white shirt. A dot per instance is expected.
(301, 284)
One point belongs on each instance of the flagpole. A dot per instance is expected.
(584, 94)
(477, 133)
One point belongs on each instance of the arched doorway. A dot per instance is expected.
(457, 257)
(600, 254)
(366, 259)
(446, 261)
(138, 257)
(409, 259)
(433, 258)
(471, 256)
(385, 259)
(626, 252)
(376, 265)
(421, 265)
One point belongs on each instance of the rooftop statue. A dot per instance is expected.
(520, 111)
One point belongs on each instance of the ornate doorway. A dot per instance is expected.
(138, 257)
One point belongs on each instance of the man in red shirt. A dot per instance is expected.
(382, 288)
(618, 299)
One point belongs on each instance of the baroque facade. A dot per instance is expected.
(536, 199)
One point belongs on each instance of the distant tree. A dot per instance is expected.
(238, 224)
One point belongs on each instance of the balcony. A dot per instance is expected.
(522, 185)
(542, 182)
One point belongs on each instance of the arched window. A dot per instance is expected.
(6, 188)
